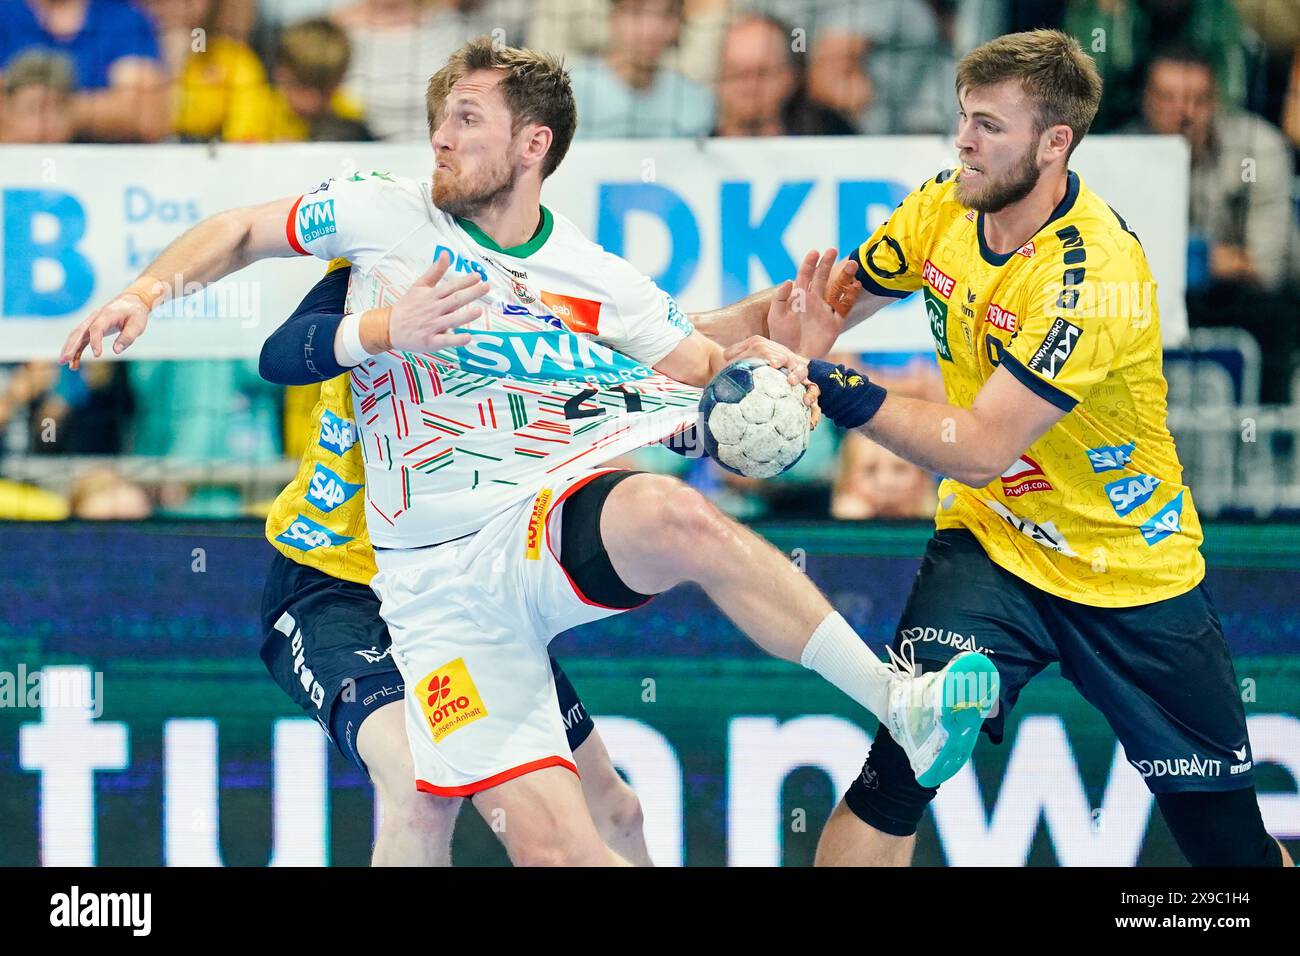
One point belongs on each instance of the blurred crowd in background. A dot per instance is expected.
(1225, 74)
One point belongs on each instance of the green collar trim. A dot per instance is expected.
(539, 238)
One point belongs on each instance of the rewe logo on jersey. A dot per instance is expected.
(449, 699)
(327, 490)
(578, 315)
(1023, 477)
(1166, 521)
(1110, 457)
(316, 220)
(1128, 493)
(307, 535)
(1000, 318)
(937, 279)
(546, 356)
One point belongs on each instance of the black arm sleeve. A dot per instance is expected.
(301, 351)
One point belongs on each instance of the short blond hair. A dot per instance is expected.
(536, 88)
(1051, 66)
(316, 52)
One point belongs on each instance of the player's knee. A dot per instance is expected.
(553, 846)
(619, 809)
(885, 795)
(681, 518)
(418, 815)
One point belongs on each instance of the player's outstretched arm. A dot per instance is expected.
(973, 446)
(213, 249)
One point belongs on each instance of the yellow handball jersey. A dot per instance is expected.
(1095, 511)
(319, 520)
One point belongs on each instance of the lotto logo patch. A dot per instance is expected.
(1055, 351)
(937, 279)
(1023, 477)
(537, 525)
(449, 699)
(578, 315)
(316, 220)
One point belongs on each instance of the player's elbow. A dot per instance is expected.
(986, 467)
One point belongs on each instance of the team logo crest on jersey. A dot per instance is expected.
(1131, 492)
(327, 490)
(537, 525)
(336, 434)
(1027, 250)
(1056, 349)
(316, 220)
(1168, 520)
(522, 292)
(307, 535)
(449, 699)
(1110, 457)
(1023, 477)
(578, 314)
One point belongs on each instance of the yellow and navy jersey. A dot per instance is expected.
(319, 520)
(1095, 511)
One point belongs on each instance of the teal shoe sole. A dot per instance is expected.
(970, 689)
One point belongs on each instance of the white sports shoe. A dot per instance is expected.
(936, 717)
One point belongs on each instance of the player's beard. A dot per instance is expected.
(465, 200)
(996, 196)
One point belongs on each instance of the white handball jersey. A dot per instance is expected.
(557, 378)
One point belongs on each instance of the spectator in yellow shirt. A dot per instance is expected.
(216, 81)
(306, 103)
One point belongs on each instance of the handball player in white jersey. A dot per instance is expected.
(499, 360)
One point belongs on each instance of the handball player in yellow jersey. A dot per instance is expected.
(1064, 531)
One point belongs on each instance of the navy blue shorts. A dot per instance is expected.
(1160, 673)
(326, 647)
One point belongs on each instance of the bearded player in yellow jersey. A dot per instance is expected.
(1064, 531)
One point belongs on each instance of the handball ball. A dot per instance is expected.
(752, 420)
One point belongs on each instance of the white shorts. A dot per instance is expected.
(470, 622)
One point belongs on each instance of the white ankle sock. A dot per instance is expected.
(837, 653)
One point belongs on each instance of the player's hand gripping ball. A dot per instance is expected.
(753, 421)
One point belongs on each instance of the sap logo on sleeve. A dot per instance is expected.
(1110, 457)
(1130, 492)
(307, 535)
(327, 490)
(336, 434)
(316, 220)
(1057, 345)
(1166, 521)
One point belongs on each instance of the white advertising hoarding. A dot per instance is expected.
(710, 221)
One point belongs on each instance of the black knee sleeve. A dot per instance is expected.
(1219, 829)
(885, 795)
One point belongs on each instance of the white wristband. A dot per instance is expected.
(348, 349)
